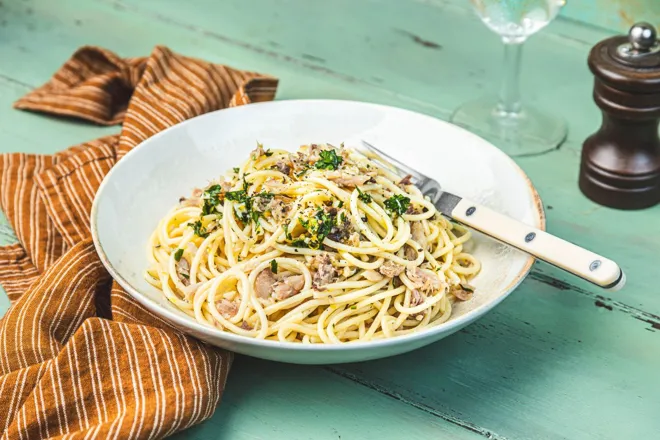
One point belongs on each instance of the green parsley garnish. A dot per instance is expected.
(353, 307)
(199, 229)
(273, 266)
(212, 198)
(318, 226)
(251, 213)
(236, 170)
(366, 198)
(328, 160)
(268, 153)
(299, 242)
(237, 196)
(178, 254)
(397, 204)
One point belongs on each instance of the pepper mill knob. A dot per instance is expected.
(642, 36)
(620, 165)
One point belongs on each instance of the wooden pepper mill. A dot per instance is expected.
(621, 162)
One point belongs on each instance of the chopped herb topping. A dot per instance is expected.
(240, 195)
(366, 198)
(236, 170)
(268, 153)
(199, 229)
(185, 275)
(353, 307)
(273, 266)
(212, 198)
(178, 254)
(237, 196)
(299, 242)
(328, 160)
(397, 204)
(254, 207)
(318, 227)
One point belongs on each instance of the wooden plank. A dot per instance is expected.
(429, 51)
(278, 401)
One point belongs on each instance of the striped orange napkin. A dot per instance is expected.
(78, 357)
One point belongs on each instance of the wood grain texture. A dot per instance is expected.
(558, 359)
(265, 400)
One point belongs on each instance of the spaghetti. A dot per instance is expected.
(317, 246)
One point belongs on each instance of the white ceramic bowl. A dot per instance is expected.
(149, 180)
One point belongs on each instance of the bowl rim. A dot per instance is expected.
(185, 322)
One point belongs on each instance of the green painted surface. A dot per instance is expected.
(553, 361)
(617, 15)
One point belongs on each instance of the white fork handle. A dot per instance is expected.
(561, 253)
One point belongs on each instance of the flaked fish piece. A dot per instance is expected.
(261, 203)
(426, 281)
(347, 180)
(406, 180)
(288, 287)
(283, 166)
(325, 272)
(391, 269)
(416, 298)
(183, 271)
(227, 308)
(257, 152)
(462, 292)
(299, 162)
(263, 285)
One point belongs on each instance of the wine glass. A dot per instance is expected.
(517, 129)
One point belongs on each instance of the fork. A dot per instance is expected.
(578, 261)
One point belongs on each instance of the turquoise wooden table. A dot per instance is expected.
(558, 359)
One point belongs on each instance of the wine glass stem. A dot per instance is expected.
(510, 93)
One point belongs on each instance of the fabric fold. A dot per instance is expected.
(80, 358)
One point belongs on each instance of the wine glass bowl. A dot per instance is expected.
(517, 19)
(505, 120)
